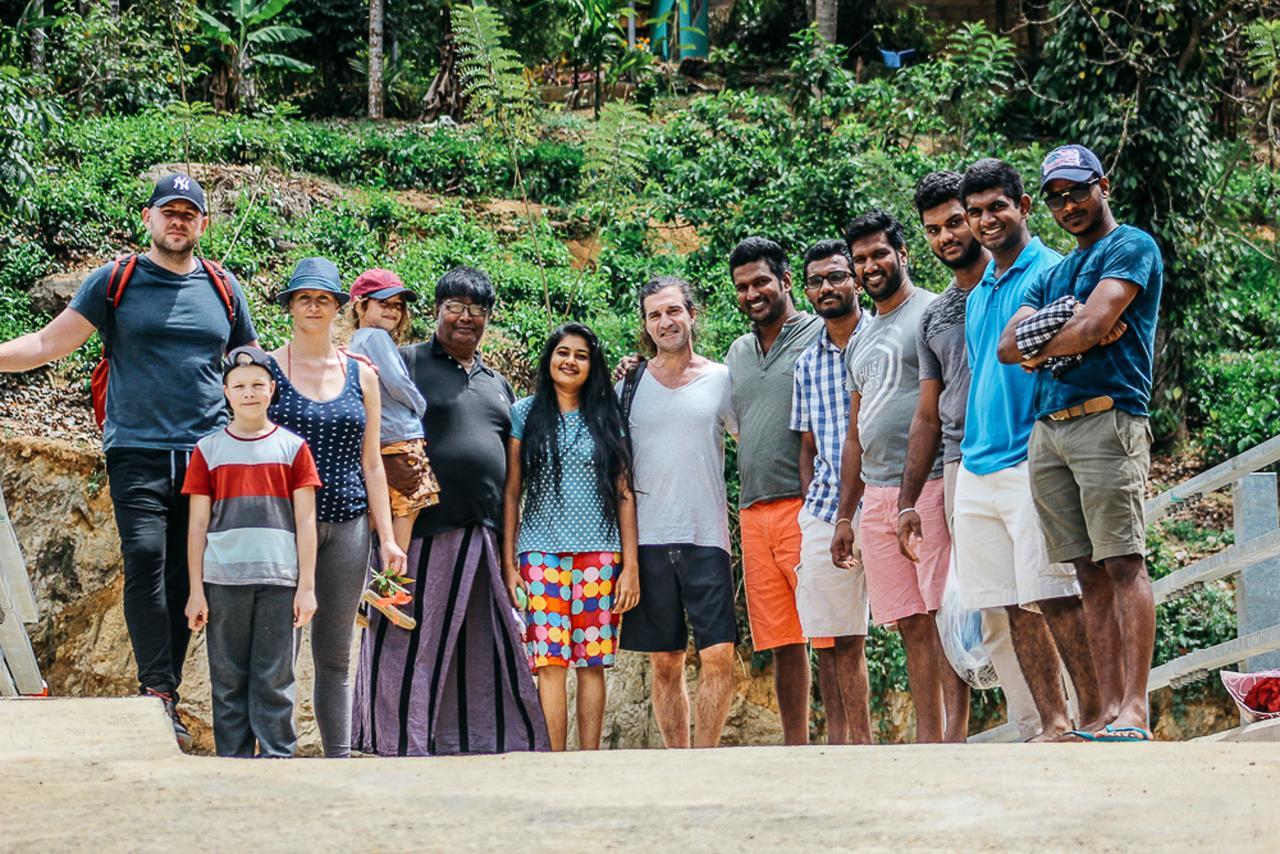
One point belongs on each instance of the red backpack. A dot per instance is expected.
(121, 272)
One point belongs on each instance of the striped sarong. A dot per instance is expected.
(459, 682)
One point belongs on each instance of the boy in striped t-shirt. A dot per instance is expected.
(251, 550)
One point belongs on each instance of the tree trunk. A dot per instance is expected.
(37, 41)
(824, 14)
(375, 59)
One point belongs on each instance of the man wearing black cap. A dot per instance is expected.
(163, 342)
(1087, 328)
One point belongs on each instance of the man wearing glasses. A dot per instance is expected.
(1090, 446)
(457, 682)
(831, 600)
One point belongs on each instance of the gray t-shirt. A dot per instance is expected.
(884, 369)
(677, 436)
(768, 449)
(942, 357)
(165, 343)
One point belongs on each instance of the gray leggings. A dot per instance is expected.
(342, 561)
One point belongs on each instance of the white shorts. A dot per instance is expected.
(831, 600)
(1001, 557)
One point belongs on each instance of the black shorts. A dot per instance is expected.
(676, 579)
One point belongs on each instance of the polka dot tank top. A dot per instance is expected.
(334, 429)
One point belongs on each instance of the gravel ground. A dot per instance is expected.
(43, 404)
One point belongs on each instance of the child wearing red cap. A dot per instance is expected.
(380, 314)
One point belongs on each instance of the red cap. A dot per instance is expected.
(380, 284)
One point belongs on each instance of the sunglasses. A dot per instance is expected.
(835, 277)
(1078, 193)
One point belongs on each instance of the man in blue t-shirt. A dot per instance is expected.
(1000, 552)
(1090, 447)
(164, 345)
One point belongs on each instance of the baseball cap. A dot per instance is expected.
(1072, 162)
(176, 186)
(314, 274)
(244, 356)
(380, 284)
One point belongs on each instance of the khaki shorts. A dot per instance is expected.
(1000, 557)
(1089, 481)
(831, 600)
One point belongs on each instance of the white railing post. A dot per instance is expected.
(1253, 499)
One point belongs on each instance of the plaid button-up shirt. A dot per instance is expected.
(820, 404)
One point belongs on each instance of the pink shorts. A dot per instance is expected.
(897, 587)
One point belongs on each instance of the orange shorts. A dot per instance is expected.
(770, 555)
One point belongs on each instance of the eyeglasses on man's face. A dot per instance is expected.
(835, 277)
(457, 307)
(1077, 193)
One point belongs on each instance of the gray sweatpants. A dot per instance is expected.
(251, 650)
(342, 564)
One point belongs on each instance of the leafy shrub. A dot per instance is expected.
(1238, 401)
(22, 264)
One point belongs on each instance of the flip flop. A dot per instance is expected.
(1122, 733)
(1083, 735)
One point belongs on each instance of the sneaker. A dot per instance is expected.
(180, 731)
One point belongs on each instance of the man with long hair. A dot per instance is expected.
(679, 408)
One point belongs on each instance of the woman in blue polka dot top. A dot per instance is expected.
(571, 557)
(332, 400)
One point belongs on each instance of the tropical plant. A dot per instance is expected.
(28, 112)
(1264, 67)
(500, 97)
(237, 30)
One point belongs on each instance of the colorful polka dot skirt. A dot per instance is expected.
(570, 621)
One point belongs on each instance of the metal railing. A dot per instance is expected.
(19, 673)
(1258, 590)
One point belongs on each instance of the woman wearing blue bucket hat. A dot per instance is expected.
(332, 401)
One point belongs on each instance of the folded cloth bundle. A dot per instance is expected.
(1035, 331)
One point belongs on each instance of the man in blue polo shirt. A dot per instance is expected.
(1001, 558)
(1090, 449)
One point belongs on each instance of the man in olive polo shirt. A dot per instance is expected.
(761, 371)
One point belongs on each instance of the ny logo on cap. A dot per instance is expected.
(181, 183)
(1062, 157)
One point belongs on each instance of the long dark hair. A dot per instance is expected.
(599, 410)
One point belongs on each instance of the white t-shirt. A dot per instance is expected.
(677, 435)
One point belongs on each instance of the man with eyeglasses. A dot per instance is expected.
(831, 600)
(456, 683)
(1090, 447)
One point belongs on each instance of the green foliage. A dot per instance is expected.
(493, 79)
(243, 36)
(27, 112)
(121, 63)
(1136, 82)
(1238, 401)
(614, 156)
(1198, 618)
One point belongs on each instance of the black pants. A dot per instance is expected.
(151, 514)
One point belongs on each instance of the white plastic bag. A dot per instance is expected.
(961, 631)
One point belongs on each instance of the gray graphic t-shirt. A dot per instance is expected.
(942, 357)
(884, 369)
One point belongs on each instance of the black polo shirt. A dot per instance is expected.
(467, 423)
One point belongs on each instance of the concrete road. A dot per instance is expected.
(104, 775)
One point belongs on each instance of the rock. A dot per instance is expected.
(51, 294)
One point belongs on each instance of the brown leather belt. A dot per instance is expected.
(1090, 406)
